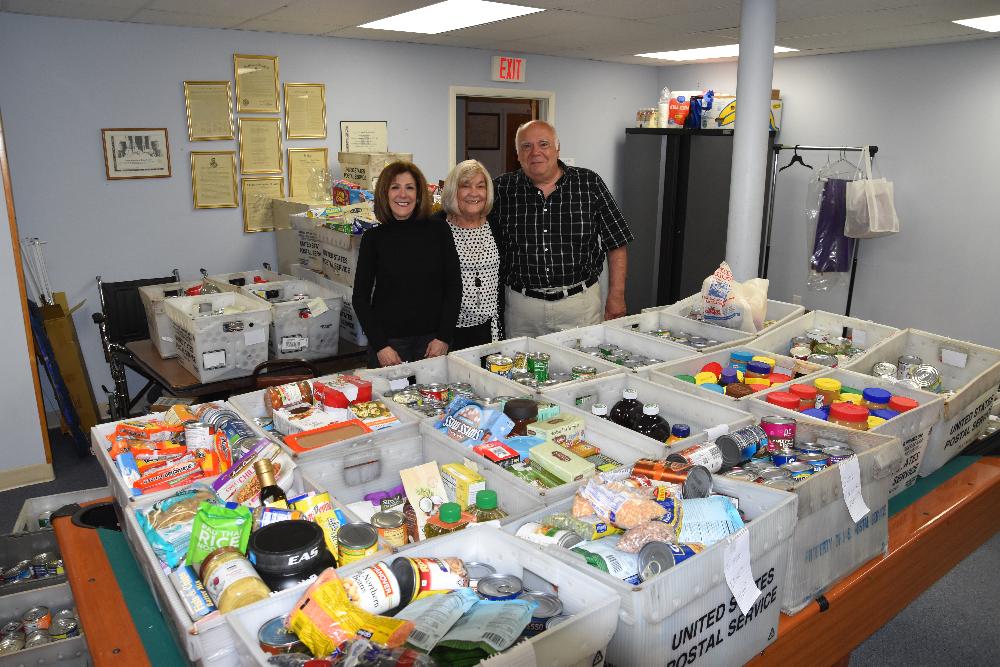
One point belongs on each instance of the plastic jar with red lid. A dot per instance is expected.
(849, 415)
(784, 399)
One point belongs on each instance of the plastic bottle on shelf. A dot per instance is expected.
(626, 411)
(651, 424)
(678, 432)
(449, 519)
(486, 507)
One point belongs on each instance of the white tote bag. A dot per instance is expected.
(870, 209)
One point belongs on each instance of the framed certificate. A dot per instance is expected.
(213, 179)
(303, 164)
(364, 136)
(136, 152)
(305, 111)
(260, 146)
(257, 195)
(209, 107)
(256, 83)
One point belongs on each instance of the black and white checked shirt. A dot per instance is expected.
(559, 241)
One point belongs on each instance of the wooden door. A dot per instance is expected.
(514, 121)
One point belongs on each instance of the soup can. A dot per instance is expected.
(64, 628)
(549, 606)
(500, 587)
(36, 618)
(838, 453)
(356, 541)
(695, 480)
(274, 638)
(389, 526)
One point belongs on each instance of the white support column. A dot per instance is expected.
(753, 95)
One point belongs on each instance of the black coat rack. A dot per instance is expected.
(765, 255)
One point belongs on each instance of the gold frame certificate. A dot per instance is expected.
(260, 146)
(256, 83)
(209, 108)
(301, 162)
(364, 136)
(213, 179)
(305, 111)
(257, 195)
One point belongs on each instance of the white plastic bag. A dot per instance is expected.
(870, 209)
(731, 304)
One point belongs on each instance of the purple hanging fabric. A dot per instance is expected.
(831, 249)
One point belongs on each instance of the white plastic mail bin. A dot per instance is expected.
(778, 312)
(244, 278)
(441, 370)
(305, 318)
(560, 359)
(592, 605)
(71, 652)
(251, 406)
(862, 333)
(350, 327)
(338, 254)
(913, 427)
(306, 246)
(221, 346)
(660, 319)
(701, 414)
(161, 329)
(661, 621)
(658, 349)
(667, 372)
(28, 519)
(971, 371)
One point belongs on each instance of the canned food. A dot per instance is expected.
(64, 613)
(781, 458)
(477, 571)
(421, 577)
(634, 364)
(275, 639)
(827, 360)
(841, 344)
(838, 453)
(374, 588)
(10, 645)
(40, 564)
(741, 474)
(18, 572)
(817, 461)
(438, 392)
(780, 432)
(535, 532)
(657, 557)
(741, 445)
(520, 361)
(695, 480)
(826, 348)
(885, 370)
(926, 377)
(11, 628)
(780, 472)
(355, 541)
(500, 587)
(389, 526)
(799, 470)
(582, 371)
(37, 638)
(608, 349)
(817, 335)
(705, 454)
(809, 448)
(800, 352)
(64, 628)
(36, 618)
(499, 364)
(406, 397)
(906, 365)
(549, 606)
(802, 341)
(538, 365)
(782, 484)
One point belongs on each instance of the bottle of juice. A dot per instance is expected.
(678, 432)
(486, 507)
(449, 519)
(651, 424)
(628, 410)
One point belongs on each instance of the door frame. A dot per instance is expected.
(546, 110)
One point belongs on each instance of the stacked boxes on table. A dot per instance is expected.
(969, 375)
(305, 318)
(161, 329)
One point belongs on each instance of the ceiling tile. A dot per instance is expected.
(107, 10)
(701, 21)
(266, 24)
(235, 9)
(183, 19)
(342, 13)
(882, 37)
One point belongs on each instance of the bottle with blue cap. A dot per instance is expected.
(876, 398)
(678, 432)
(739, 360)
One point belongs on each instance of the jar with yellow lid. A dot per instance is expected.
(765, 359)
(231, 580)
(851, 398)
(874, 421)
(706, 377)
(827, 391)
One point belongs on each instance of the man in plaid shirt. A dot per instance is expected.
(556, 223)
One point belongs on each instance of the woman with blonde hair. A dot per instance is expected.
(467, 199)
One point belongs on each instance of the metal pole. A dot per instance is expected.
(770, 216)
(750, 141)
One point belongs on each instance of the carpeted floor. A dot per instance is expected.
(945, 625)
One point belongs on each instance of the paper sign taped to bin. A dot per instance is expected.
(398, 383)
(737, 569)
(859, 337)
(254, 336)
(850, 480)
(317, 307)
(954, 358)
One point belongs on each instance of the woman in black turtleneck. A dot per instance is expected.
(408, 284)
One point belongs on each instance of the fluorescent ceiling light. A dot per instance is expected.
(450, 15)
(987, 23)
(706, 53)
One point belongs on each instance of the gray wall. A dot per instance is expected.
(22, 438)
(934, 116)
(66, 79)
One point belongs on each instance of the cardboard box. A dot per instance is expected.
(722, 115)
(563, 430)
(364, 168)
(292, 246)
(58, 322)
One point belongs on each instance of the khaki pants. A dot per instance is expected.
(527, 316)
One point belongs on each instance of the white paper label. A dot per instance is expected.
(212, 360)
(518, 655)
(850, 480)
(954, 358)
(317, 307)
(254, 336)
(293, 344)
(859, 337)
(398, 383)
(737, 569)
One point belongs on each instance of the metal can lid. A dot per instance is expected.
(64, 613)
(62, 626)
(813, 458)
(776, 473)
(698, 483)
(838, 450)
(556, 620)
(390, 519)
(884, 369)
(274, 634)
(357, 535)
(549, 604)
(909, 360)
(503, 586)
(11, 644)
(35, 613)
(783, 484)
(797, 466)
(654, 558)
(777, 421)
(477, 570)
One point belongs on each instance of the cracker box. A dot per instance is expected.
(560, 462)
(563, 430)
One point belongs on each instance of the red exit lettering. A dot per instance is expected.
(510, 68)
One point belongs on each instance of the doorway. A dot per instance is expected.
(485, 120)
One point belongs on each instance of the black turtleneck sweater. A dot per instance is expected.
(407, 282)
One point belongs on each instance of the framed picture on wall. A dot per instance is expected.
(213, 179)
(257, 195)
(209, 108)
(305, 110)
(256, 83)
(482, 131)
(136, 152)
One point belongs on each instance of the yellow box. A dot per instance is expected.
(461, 483)
(562, 430)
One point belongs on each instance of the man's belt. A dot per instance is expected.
(556, 295)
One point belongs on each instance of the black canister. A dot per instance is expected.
(288, 552)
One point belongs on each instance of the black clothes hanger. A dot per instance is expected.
(796, 158)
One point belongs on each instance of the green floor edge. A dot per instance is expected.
(161, 649)
(925, 485)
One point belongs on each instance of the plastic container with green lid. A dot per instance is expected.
(487, 507)
(449, 519)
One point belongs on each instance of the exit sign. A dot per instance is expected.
(508, 68)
